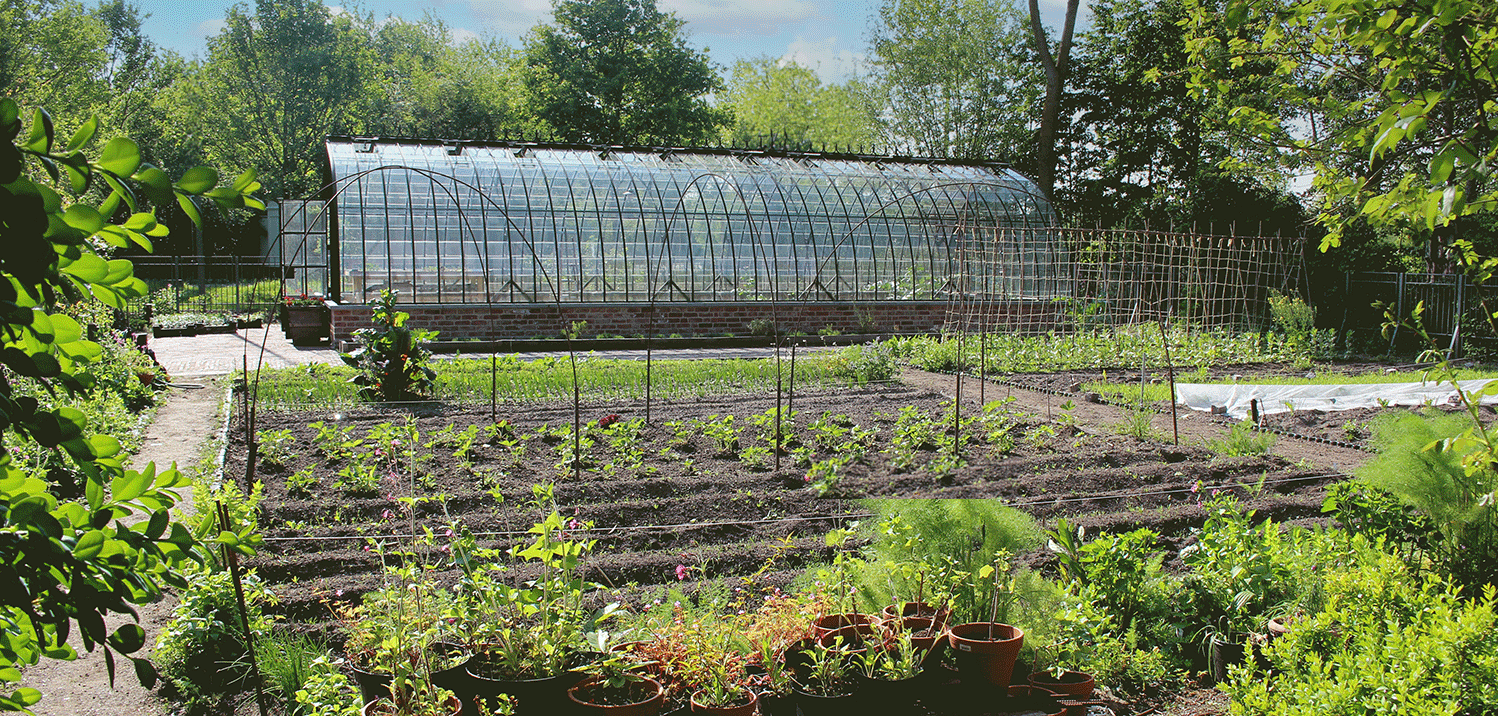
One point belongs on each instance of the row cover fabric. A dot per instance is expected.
(1280, 398)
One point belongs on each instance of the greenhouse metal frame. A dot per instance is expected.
(521, 222)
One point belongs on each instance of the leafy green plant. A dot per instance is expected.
(391, 359)
(720, 431)
(326, 692)
(1243, 440)
(359, 476)
(288, 662)
(336, 442)
(62, 558)
(202, 651)
(275, 446)
(302, 482)
(824, 476)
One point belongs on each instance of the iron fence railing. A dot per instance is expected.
(207, 284)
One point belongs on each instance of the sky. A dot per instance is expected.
(829, 36)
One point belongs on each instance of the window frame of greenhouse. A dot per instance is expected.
(444, 222)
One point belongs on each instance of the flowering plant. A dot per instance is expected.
(302, 300)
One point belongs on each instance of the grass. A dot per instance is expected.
(467, 380)
(1129, 391)
(1102, 348)
(1243, 441)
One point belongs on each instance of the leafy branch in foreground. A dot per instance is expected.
(63, 563)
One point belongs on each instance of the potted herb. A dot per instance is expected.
(986, 650)
(828, 686)
(411, 693)
(613, 685)
(844, 597)
(725, 691)
(887, 679)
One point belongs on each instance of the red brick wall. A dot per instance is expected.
(499, 321)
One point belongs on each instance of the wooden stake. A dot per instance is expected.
(231, 560)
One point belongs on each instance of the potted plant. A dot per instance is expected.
(526, 638)
(772, 629)
(412, 693)
(828, 686)
(725, 691)
(393, 626)
(304, 319)
(613, 685)
(887, 679)
(844, 596)
(986, 650)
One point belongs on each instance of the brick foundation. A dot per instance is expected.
(524, 321)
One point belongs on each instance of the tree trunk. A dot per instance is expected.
(1056, 67)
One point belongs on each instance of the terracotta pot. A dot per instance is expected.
(746, 709)
(856, 638)
(831, 622)
(383, 707)
(648, 707)
(985, 651)
(922, 610)
(1076, 684)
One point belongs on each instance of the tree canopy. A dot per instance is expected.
(620, 71)
(785, 102)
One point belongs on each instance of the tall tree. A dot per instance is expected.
(620, 71)
(772, 98)
(432, 87)
(954, 77)
(276, 81)
(1057, 67)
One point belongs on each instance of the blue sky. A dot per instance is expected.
(826, 35)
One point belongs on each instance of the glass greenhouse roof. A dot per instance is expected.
(519, 222)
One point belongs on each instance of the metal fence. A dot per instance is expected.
(1445, 297)
(207, 284)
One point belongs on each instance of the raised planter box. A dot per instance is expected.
(305, 325)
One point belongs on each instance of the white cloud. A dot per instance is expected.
(460, 35)
(208, 28)
(740, 17)
(510, 17)
(825, 58)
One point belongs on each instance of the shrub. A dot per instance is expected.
(326, 691)
(202, 651)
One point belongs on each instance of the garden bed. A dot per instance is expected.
(681, 500)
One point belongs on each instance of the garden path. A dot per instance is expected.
(187, 419)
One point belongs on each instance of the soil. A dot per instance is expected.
(81, 687)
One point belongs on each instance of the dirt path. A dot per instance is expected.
(81, 687)
(1196, 428)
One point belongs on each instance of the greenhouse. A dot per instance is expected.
(466, 223)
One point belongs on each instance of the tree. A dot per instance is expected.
(431, 87)
(276, 82)
(1057, 67)
(1389, 102)
(773, 98)
(63, 563)
(954, 79)
(620, 71)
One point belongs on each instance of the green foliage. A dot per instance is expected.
(866, 363)
(392, 358)
(1400, 90)
(1438, 466)
(1099, 348)
(620, 71)
(1386, 642)
(203, 652)
(327, 692)
(769, 97)
(288, 662)
(952, 92)
(64, 561)
(275, 446)
(1243, 440)
(1238, 570)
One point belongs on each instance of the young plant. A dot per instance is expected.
(275, 447)
(392, 358)
(301, 482)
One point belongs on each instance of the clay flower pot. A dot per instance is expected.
(744, 709)
(1076, 684)
(383, 707)
(856, 638)
(831, 622)
(986, 651)
(922, 610)
(651, 706)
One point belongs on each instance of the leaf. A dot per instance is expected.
(146, 672)
(85, 134)
(158, 186)
(89, 545)
(198, 180)
(189, 208)
(128, 639)
(243, 182)
(88, 267)
(130, 485)
(85, 218)
(40, 138)
(120, 156)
